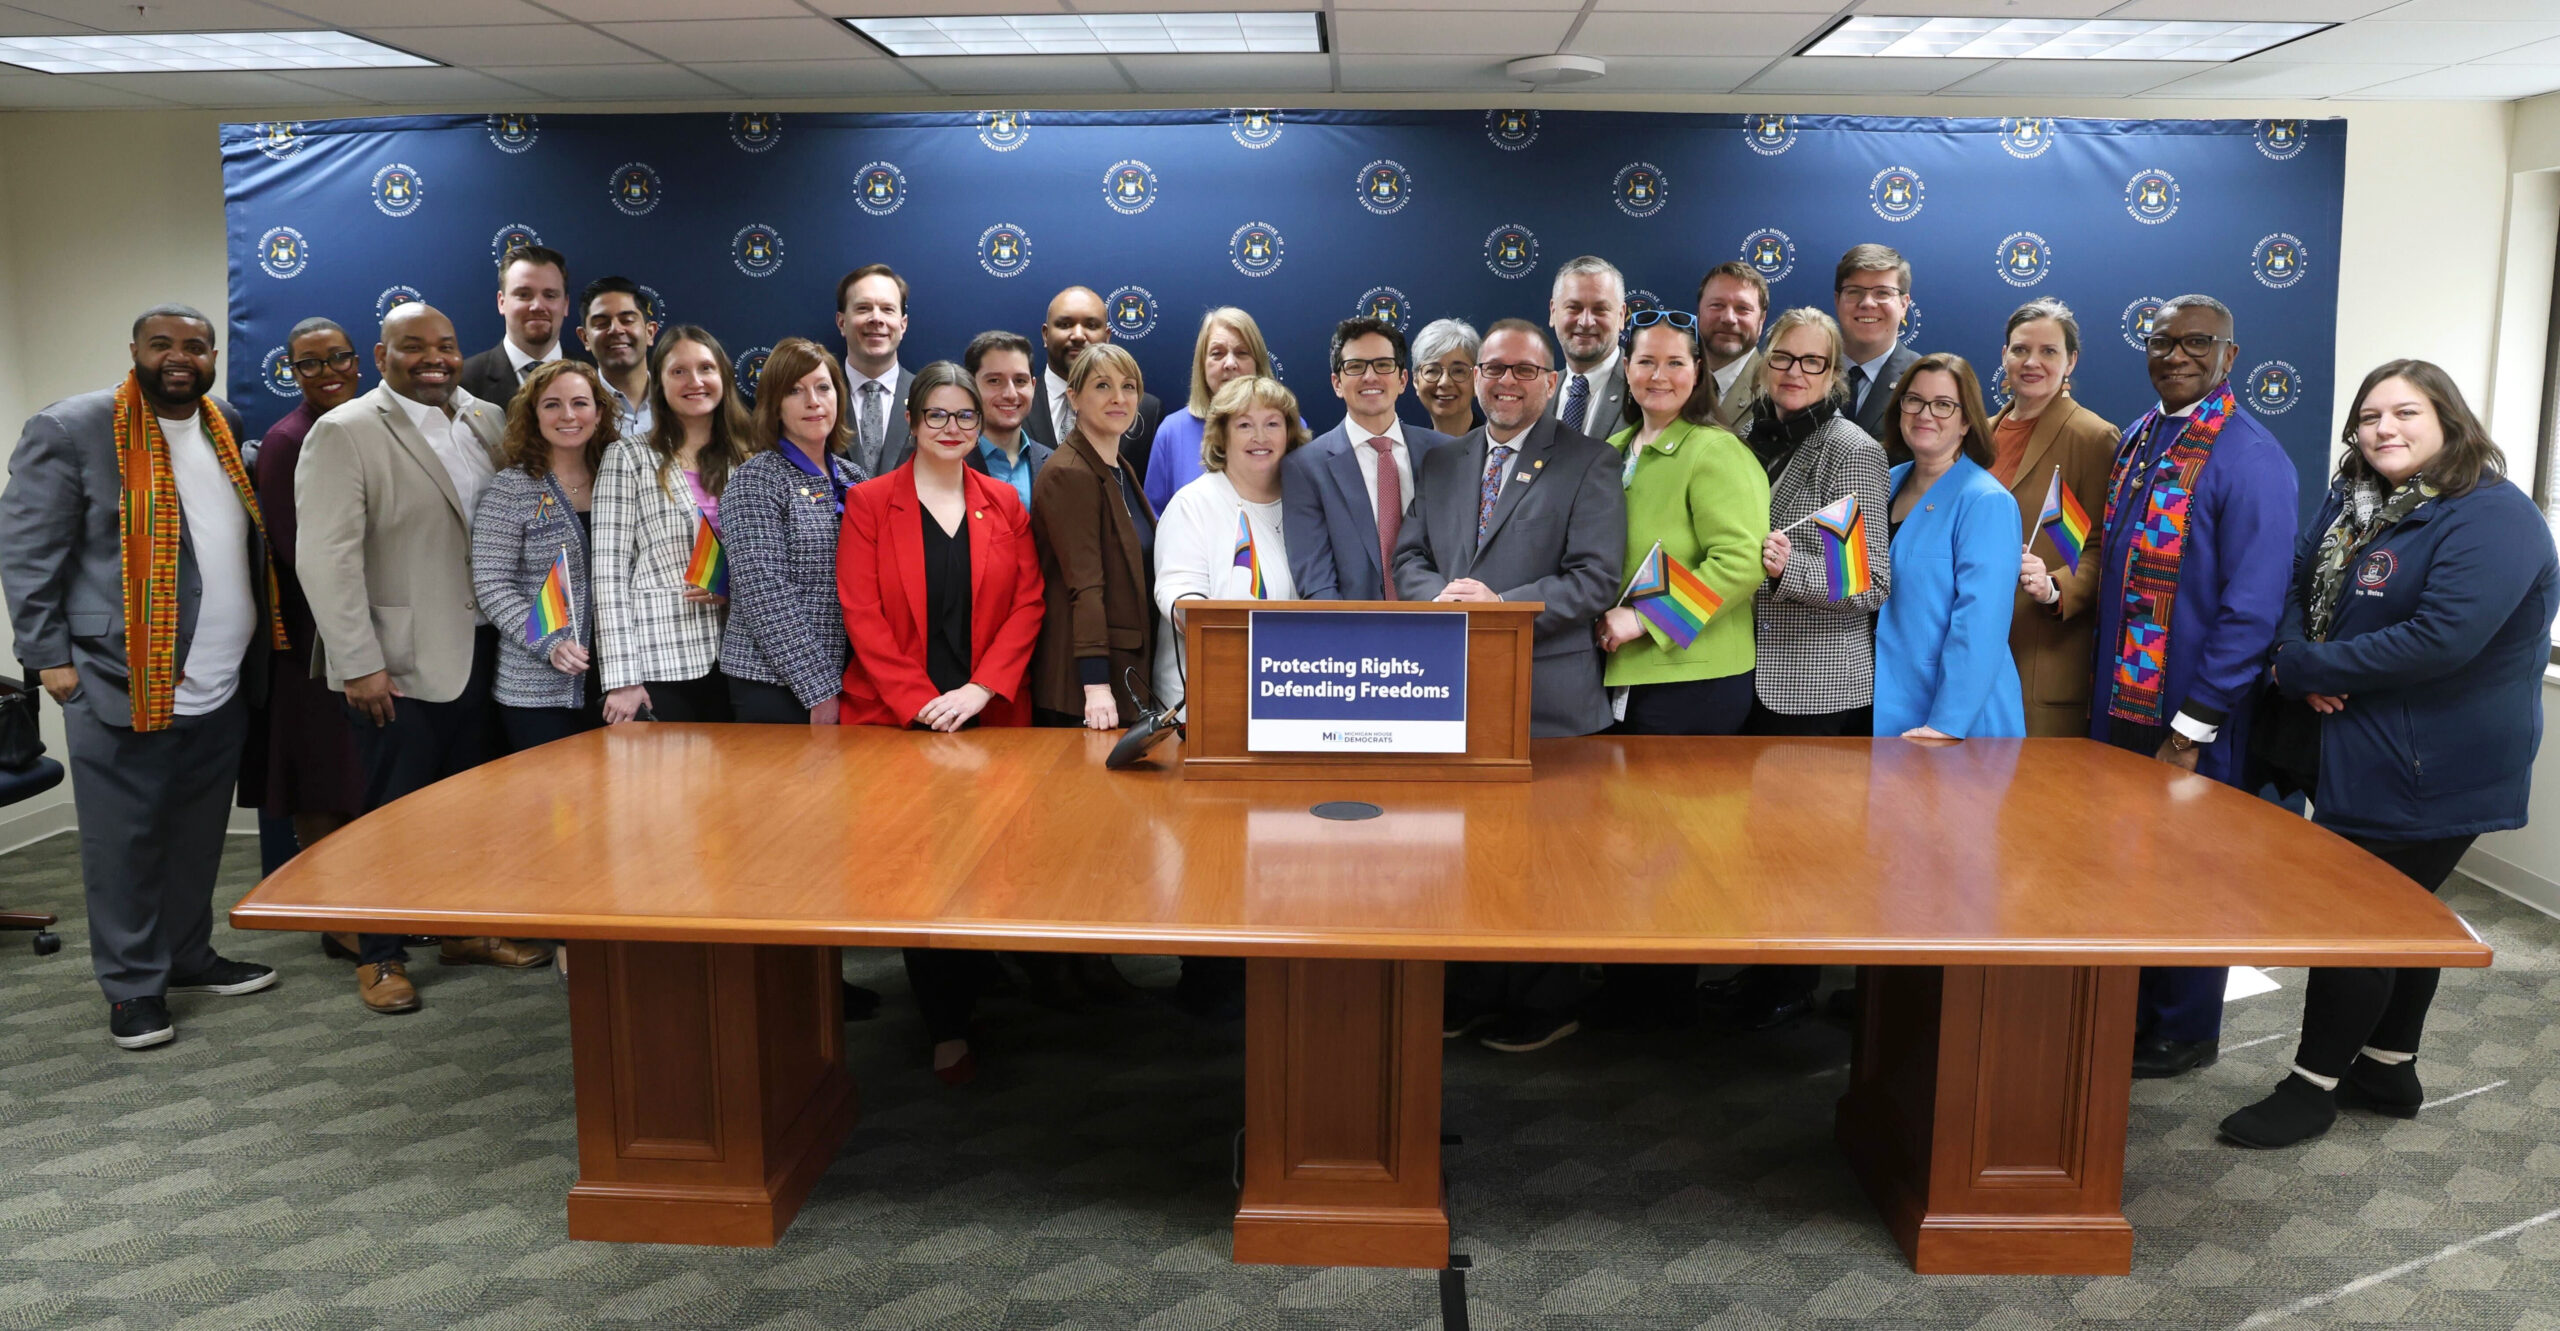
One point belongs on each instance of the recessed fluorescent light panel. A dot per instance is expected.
(1096, 34)
(2054, 39)
(197, 52)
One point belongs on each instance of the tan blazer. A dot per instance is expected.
(1095, 580)
(1728, 412)
(384, 553)
(2054, 644)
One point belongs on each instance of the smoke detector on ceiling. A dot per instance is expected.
(1550, 70)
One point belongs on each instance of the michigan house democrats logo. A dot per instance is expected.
(2274, 388)
(283, 253)
(1004, 250)
(1254, 127)
(1769, 135)
(756, 250)
(755, 131)
(1255, 249)
(2026, 137)
(2151, 196)
(1770, 252)
(1132, 311)
(280, 139)
(1996, 392)
(1129, 187)
(1385, 187)
(1388, 306)
(2025, 258)
(2280, 140)
(1639, 300)
(396, 191)
(510, 238)
(1909, 335)
(1511, 251)
(514, 131)
(1639, 189)
(2375, 573)
(1897, 193)
(2138, 320)
(395, 296)
(636, 190)
(276, 372)
(2278, 260)
(1004, 131)
(653, 306)
(750, 370)
(879, 187)
(1511, 131)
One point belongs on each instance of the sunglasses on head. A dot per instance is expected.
(1680, 319)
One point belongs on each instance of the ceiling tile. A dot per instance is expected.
(1175, 6)
(164, 15)
(1991, 8)
(1643, 73)
(1859, 74)
(356, 15)
(1693, 34)
(2376, 42)
(2074, 78)
(1425, 33)
(2473, 10)
(20, 23)
(1345, 6)
(2255, 78)
(400, 87)
(1425, 73)
(923, 8)
(2259, 11)
(529, 44)
(746, 39)
(221, 89)
(1020, 73)
(2539, 53)
(50, 92)
(1210, 73)
(816, 78)
(636, 11)
(611, 83)
(2466, 83)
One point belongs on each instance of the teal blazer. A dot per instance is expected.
(1942, 639)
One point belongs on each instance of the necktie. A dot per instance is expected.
(1390, 510)
(1857, 388)
(1501, 455)
(1066, 421)
(1577, 402)
(875, 423)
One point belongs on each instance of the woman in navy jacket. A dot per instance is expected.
(1943, 668)
(2418, 628)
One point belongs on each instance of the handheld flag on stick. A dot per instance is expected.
(2065, 521)
(1844, 546)
(1675, 603)
(1248, 557)
(709, 567)
(550, 612)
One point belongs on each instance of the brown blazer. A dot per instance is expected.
(1095, 579)
(2054, 644)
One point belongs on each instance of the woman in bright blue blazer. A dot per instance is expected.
(1943, 667)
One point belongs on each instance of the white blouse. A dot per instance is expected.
(1196, 556)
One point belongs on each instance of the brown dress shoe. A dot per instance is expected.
(512, 953)
(384, 986)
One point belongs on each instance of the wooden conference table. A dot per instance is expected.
(2002, 892)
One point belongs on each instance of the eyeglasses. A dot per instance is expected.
(1788, 360)
(1941, 407)
(1435, 372)
(1526, 372)
(1383, 367)
(335, 360)
(2198, 345)
(1861, 295)
(936, 418)
(1680, 319)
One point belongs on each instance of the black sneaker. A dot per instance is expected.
(1525, 1031)
(226, 978)
(139, 1023)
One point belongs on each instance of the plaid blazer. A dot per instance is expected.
(518, 529)
(1815, 654)
(644, 628)
(786, 625)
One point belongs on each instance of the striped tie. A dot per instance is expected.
(1492, 490)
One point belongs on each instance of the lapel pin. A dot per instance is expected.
(1520, 476)
(1537, 463)
(978, 515)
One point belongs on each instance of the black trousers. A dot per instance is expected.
(1542, 988)
(424, 743)
(2345, 1008)
(757, 703)
(532, 727)
(947, 983)
(1690, 707)
(705, 698)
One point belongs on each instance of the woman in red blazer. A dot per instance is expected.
(942, 600)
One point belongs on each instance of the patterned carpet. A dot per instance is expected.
(293, 1162)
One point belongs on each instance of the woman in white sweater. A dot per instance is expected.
(1220, 537)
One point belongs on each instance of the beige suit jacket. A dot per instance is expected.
(384, 552)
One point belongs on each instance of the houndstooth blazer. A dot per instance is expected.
(1816, 654)
(645, 629)
(786, 625)
(518, 529)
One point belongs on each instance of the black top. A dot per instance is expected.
(946, 604)
(1143, 518)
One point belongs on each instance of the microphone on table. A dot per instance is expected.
(1154, 726)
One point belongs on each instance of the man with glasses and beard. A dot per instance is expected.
(136, 567)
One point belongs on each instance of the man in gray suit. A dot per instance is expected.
(1733, 304)
(871, 313)
(385, 490)
(1871, 291)
(1344, 497)
(1587, 307)
(154, 761)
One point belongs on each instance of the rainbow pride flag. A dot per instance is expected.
(709, 567)
(550, 612)
(1673, 600)
(2065, 521)
(1250, 557)
(1844, 547)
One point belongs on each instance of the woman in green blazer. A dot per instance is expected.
(1695, 489)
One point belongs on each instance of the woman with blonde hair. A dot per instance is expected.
(1229, 347)
(533, 518)
(1096, 534)
(1221, 534)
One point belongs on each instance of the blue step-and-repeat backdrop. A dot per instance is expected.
(743, 223)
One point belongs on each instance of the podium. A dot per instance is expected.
(1217, 639)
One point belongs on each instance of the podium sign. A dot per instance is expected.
(1349, 681)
